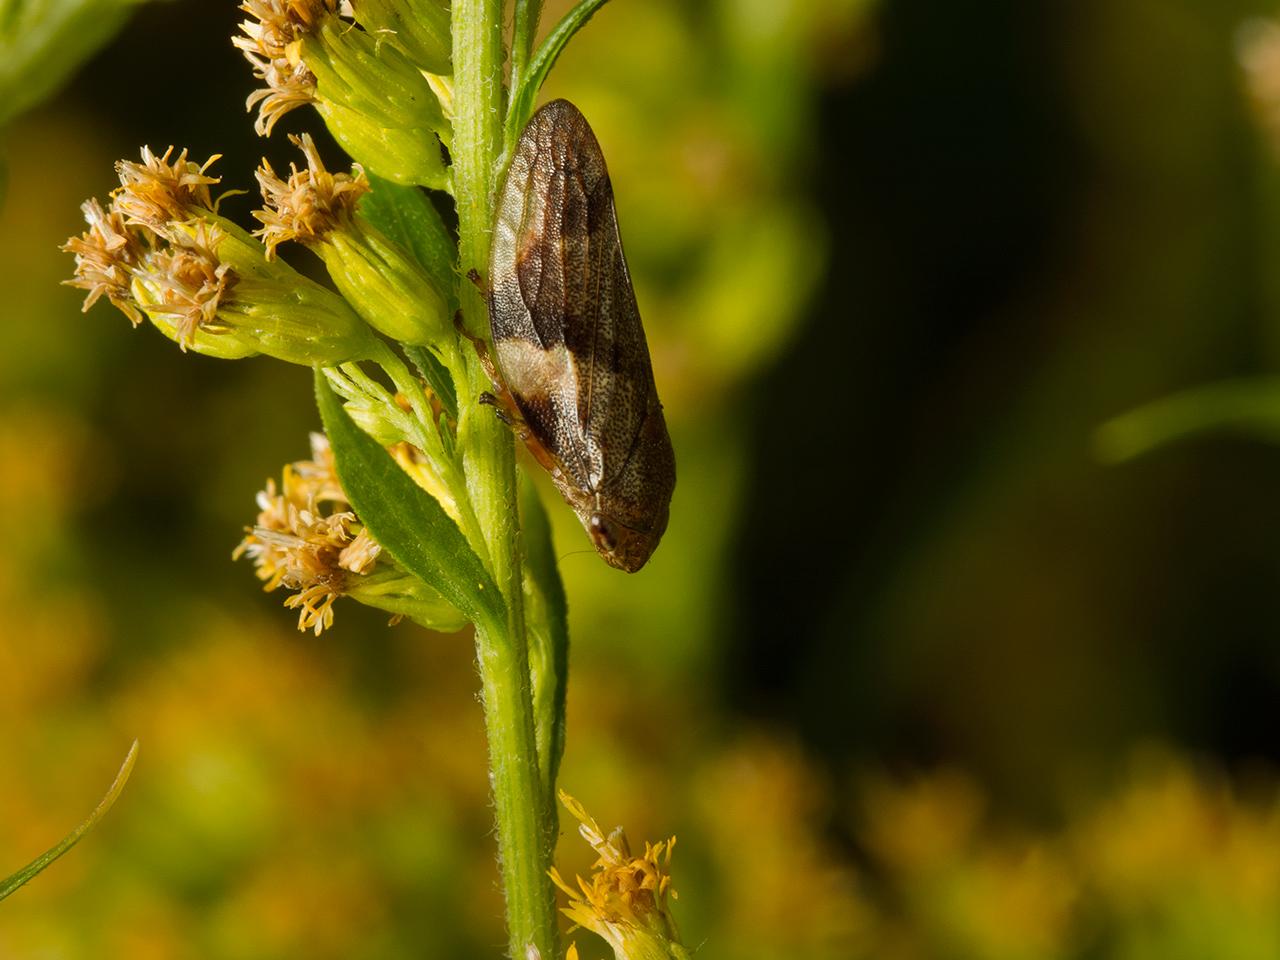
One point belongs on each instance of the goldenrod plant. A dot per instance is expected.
(411, 501)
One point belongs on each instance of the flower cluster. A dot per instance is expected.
(136, 255)
(373, 80)
(161, 251)
(626, 899)
(308, 540)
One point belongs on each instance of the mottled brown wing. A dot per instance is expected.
(567, 330)
(601, 325)
(528, 306)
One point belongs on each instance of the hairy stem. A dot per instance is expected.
(525, 843)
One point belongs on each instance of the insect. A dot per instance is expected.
(574, 372)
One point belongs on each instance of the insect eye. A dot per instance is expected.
(602, 532)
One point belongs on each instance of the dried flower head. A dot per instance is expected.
(271, 43)
(278, 24)
(289, 85)
(106, 255)
(186, 282)
(161, 251)
(156, 191)
(299, 545)
(308, 205)
(625, 899)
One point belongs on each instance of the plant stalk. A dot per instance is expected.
(525, 843)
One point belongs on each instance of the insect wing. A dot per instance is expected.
(569, 339)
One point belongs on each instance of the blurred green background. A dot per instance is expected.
(913, 674)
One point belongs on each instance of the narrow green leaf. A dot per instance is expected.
(407, 215)
(526, 95)
(1248, 408)
(437, 376)
(548, 617)
(406, 520)
(9, 884)
(524, 30)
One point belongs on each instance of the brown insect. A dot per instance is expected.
(576, 380)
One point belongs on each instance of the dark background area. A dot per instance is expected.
(984, 241)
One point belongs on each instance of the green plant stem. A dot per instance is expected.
(524, 840)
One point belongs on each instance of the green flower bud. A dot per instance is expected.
(420, 28)
(378, 277)
(375, 100)
(377, 105)
(386, 286)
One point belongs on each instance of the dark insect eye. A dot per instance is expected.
(602, 532)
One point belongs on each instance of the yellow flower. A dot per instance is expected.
(310, 204)
(296, 545)
(105, 256)
(625, 901)
(383, 282)
(271, 42)
(308, 540)
(156, 191)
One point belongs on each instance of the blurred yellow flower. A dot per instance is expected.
(625, 900)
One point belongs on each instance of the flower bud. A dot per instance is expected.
(377, 276)
(377, 104)
(420, 28)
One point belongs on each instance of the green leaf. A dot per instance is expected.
(9, 884)
(548, 618)
(407, 215)
(437, 376)
(524, 30)
(43, 41)
(1248, 408)
(523, 99)
(406, 520)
